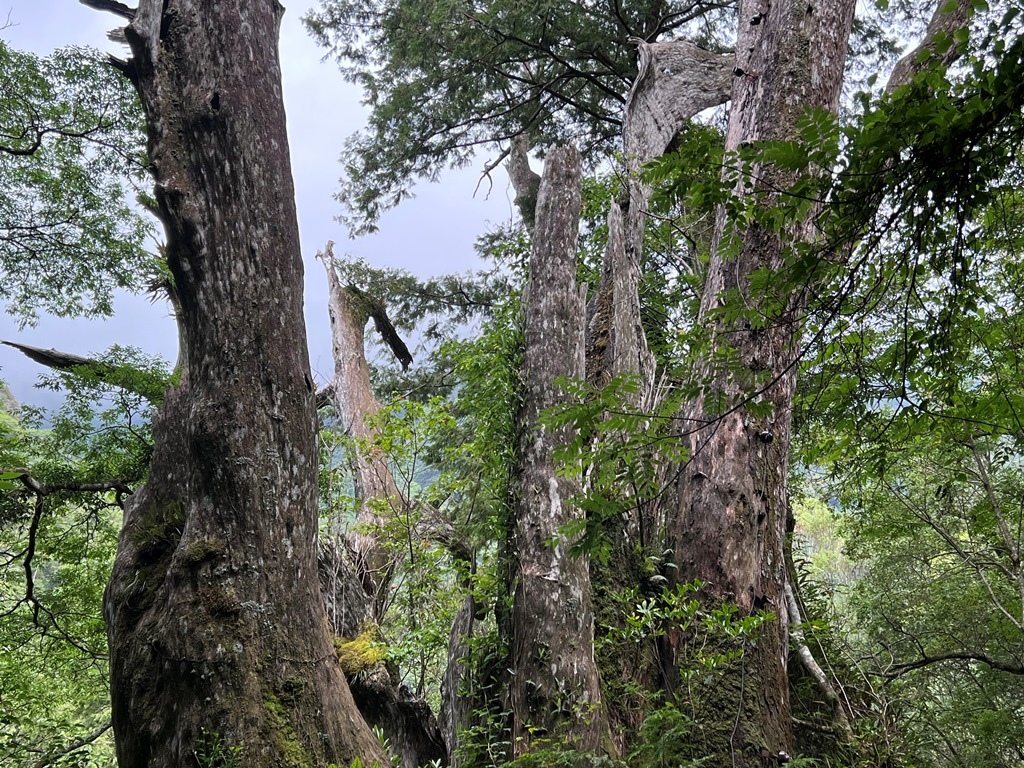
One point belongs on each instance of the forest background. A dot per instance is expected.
(900, 598)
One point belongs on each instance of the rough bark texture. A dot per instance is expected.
(730, 525)
(360, 567)
(555, 694)
(457, 701)
(676, 80)
(218, 635)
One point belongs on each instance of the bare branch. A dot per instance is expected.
(1012, 547)
(898, 670)
(486, 173)
(375, 308)
(796, 632)
(148, 386)
(114, 7)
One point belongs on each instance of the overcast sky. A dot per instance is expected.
(431, 234)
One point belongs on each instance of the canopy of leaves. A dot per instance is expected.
(71, 143)
(913, 397)
(443, 77)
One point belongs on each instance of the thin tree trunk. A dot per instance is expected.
(218, 635)
(554, 688)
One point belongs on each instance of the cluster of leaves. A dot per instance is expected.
(60, 517)
(71, 146)
(912, 399)
(444, 77)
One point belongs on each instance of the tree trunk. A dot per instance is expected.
(407, 723)
(218, 635)
(730, 525)
(676, 80)
(555, 696)
(458, 699)
(354, 404)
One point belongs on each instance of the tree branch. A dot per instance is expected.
(944, 21)
(375, 308)
(525, 180)
(898, 670)
(796, 632)
(76, 744)
(114, 7)
(148, 386)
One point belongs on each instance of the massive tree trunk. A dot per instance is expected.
(676, 80)
(730, 525)
(554, 688)
(218, 636)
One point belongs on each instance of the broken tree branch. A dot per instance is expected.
(129, 379)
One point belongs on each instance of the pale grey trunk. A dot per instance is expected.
(377, 496)
(554, 686)
(676, 80)
(218, 635)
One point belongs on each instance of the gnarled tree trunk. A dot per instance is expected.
(354, 406)
(218, 635)
(361, 563)
(730, 525)
(676, 80)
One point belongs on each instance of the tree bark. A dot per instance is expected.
(354, 404)
(730, 525)
(361, 564)
(555, 694)
(457, 698)
(676, 80)
(216, 623)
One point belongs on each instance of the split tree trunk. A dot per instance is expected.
(676, 80)
(554, 687)
(218, 635)
(730, 526)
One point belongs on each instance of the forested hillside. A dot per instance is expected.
(716, 461)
